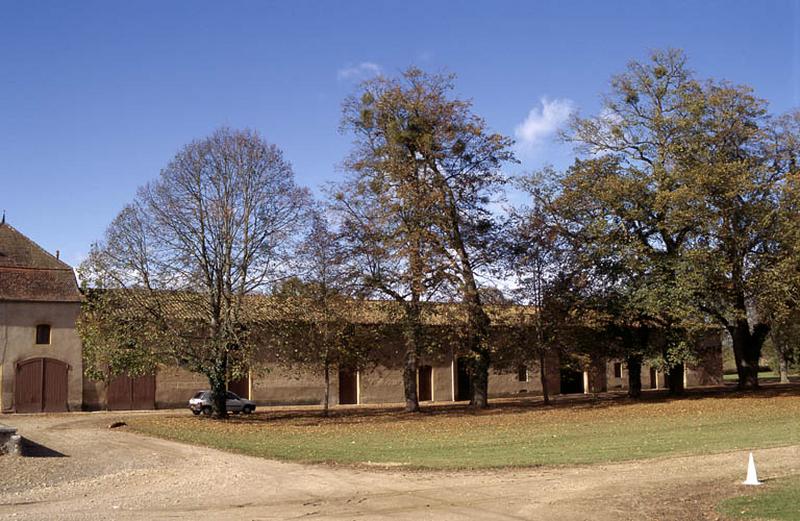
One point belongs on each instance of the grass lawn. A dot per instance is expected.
(763, 376)
(516, 434)
(778, 501)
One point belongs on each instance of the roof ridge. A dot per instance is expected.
(36, 245)
(30, 268)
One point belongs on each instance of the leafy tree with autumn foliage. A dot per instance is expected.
(739, 169)
(628, 206)
(780, 299)
(677, 193)
(424, 169)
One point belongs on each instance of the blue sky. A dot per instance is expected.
(96, 97)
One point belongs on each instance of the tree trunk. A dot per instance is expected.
(675, 379)
(219, 386)
(747, 351)
(410, 380)
(543, 378)
(480, 381)
(478, 321)
(411, 338)
(218, 396)
(327, 399)
(477, 332)
(634, 363)
(783, 367)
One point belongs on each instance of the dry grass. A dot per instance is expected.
(516, 434)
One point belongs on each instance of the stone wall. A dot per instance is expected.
(10, 441)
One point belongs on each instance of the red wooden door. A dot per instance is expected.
(28, 386)
(55, 386)
(40, 385)
(118, 393)
(125, 393)
(143, 392)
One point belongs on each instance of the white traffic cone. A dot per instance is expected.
(752, 477)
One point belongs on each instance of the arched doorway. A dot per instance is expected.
(40, 385)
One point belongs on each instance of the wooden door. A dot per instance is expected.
(143, 392)
(40, 385)
(125, 393)
(55, 386)
(425, 389)
(348, 386)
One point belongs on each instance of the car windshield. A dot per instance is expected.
(232, 396)
(200, 394)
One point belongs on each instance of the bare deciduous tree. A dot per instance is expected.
(216, 226)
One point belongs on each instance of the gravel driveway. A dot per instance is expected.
(86, 471)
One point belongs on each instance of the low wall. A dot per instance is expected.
(9, 440)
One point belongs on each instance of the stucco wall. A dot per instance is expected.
(443, 383)
(174, 387)
(280, 386)
(381, 385)
(18, 321)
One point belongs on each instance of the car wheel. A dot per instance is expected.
(196, 413)
(206, 411)
(247, 410)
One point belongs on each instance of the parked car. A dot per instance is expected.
(200, 403)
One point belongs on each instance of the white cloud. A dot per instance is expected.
(358, 72)
(544, 121)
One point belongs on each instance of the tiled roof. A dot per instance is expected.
(29, 273)
(259, 307)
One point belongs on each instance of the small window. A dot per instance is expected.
(522, 373)
(43, 334)
(617, 370)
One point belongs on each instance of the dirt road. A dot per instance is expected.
(86, 471)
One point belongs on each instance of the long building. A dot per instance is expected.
(42, 370)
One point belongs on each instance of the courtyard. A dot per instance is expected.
(683, 458)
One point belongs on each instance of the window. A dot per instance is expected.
(522, 373)
(43, 334)
(617, 370)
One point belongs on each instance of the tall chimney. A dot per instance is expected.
(58, 254)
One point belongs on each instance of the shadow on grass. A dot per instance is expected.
(513, 405)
